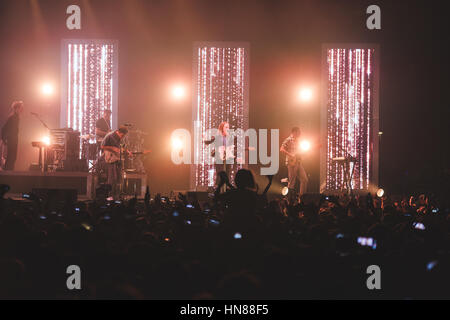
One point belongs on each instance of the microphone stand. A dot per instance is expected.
(42, 121)
(45, 152)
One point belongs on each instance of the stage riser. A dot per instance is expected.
(25, 182)
(135, 184)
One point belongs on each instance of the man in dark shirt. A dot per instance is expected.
(10, 134)
(111, 150)
(294, 163)
(102, 126)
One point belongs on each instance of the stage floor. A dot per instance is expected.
(84, 183)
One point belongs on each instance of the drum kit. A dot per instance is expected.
(67, 150)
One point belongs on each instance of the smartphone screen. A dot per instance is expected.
(215, 222)
(367, 242)
(419, 226)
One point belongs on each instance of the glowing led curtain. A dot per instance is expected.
(350, 117)
(89, 78)
(221, 74)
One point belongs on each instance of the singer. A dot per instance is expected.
(10, 134)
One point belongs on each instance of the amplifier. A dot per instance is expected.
(66, 141)
(72, 147)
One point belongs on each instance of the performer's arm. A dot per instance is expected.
(268, 184)
(111, 149)
(282, 149)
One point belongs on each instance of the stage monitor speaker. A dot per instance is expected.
(72, 145)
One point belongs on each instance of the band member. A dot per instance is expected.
(10, 134)
(102, 126)
(111, 145)
(290, 147)
(225, 149)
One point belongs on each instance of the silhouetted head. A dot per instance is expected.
(122, 131)
(223, 176)
(244, 179)
(107, 114)
(17, 107)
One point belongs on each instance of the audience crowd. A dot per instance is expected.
(233, 245)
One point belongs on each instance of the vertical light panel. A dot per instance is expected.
(89, 76)
(221, 88)
(350, 120)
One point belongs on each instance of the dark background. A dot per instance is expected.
(155, 40)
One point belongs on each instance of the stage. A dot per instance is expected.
(84, 183)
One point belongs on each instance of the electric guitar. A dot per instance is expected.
(225, 152)
(113, 155)
(292, 161)
(228, 153)
(297, 157)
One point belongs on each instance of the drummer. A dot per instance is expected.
(103, 125)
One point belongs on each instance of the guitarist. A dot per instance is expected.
(225, 151)
(290, 147)
(111, 150)
(10, 134)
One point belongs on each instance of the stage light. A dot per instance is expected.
(178, 92)
(305, 94)
(46, 140)
(47, 89)
(305, 145)
(380, 193)
(177, 144)
(285, 191)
